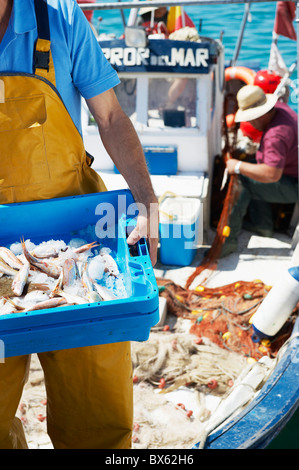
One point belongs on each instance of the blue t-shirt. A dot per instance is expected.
(80, 65)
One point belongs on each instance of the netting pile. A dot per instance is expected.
(223, 315)
(169, 359)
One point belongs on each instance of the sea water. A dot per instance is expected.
(214, 20)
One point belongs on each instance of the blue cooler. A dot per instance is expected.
(180, 230)
(160, 159)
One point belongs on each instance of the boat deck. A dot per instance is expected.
(257, 258)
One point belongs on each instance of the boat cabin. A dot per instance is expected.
(173, 93)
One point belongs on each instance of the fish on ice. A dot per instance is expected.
(10, 258)
(20, 279)
(51, 269)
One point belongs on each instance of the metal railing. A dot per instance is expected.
(168, 3)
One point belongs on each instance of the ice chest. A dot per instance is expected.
(160, 159)
(180, 230)
(124, 319)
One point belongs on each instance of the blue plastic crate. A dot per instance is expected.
(124, 319)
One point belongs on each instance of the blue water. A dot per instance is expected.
(257, 39)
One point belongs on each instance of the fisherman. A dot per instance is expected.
(273, 176)
(89, 389)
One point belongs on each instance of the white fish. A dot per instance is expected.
(6, 269)
(104, 292)
(110, 265)
(35, 296)
(92, 295)
(69, 272)
(70, 297)
(20, 279)
(6, 307)
(10, 258)
(15, 305)
(47, 267)
(49, 303)
(47, 251)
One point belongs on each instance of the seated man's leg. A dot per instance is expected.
(260, 218)
(283, 191)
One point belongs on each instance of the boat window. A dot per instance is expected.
(172, 102)
(126, 95)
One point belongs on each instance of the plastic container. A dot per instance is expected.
(124, 319)
(160, 159)
(277, 305)
(180, 230)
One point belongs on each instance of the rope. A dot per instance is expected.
(210, 260)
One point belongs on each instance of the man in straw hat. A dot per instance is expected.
(273, 177)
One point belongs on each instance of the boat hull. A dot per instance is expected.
(264, 418)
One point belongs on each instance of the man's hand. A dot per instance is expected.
(230, 165)
(147, 227)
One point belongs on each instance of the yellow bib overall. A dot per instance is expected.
(89, 390)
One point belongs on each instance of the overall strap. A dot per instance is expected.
(42, 60)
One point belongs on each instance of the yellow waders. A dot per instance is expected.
(89, 390)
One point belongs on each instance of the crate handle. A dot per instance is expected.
(139, 249)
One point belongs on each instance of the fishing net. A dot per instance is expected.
(174, 359)
(199, 354)
(223, 315)
(174, 380)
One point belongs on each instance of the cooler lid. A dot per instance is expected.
(179, 210)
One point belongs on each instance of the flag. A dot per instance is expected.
(285, 15)
(177, 19)
(276, 63)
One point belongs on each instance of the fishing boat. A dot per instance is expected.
(174, 88)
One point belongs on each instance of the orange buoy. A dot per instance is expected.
(240, 73)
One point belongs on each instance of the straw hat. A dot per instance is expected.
(253, 103)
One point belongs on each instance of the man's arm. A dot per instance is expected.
(122, 144)
(258, 172)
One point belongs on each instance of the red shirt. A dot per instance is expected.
(279, 143)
